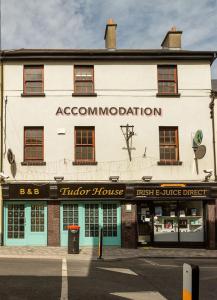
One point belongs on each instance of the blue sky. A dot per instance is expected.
(81, 23)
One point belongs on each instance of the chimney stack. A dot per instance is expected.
(172, 39)
(110, 35)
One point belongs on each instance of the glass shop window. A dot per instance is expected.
(165, 221)
(191, 225)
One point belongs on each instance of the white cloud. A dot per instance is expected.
(81, 23)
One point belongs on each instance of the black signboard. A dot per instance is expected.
(29, 191)
(100, 191)
(161, 192)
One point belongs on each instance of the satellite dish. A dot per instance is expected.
(10, 156)
(200, 152)
(198, 137)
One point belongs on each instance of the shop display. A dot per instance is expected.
(168, 224)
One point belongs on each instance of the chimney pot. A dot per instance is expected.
(110, 34)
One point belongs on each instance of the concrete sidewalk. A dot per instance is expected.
(109, 253)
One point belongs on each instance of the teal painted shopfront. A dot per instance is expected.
(91, 217)
(25, 223)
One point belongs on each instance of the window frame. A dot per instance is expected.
(175, 80)
(33, 160)
(91, 161)
(92, 93)
(25, 93)
(167, 145)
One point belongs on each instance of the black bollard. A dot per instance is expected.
(100, 244)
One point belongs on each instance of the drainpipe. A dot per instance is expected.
(213, 96)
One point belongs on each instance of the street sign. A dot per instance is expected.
(198, 137)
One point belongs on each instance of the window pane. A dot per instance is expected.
(33, 79)
(34, 136)
(168, 144)
(34, 152)
(83, 79)
(83, 87)
(33, 144)
(167, 79)
(84, 148)
(167, 87)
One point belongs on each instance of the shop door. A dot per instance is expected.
(69, 215)
(91, 217)
(25, 224)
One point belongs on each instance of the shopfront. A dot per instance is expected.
(91, 216)
(25, 223)
(129, 214)
(38, 214)
(174, 215)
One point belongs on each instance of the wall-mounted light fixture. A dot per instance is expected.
(59, 178)
(146, 178)
(114, 178)
(209, 175)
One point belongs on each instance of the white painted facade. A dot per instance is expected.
(117, 84)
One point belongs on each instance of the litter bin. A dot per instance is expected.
(73, 239)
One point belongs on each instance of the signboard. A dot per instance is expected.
(29, 191)
(82, 191)
(198, 137)
(171, 192)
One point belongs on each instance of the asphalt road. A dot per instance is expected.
(137, 279)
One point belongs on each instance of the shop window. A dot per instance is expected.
(70, 215)
(33, 145)
(109, 220)
(37, 218)
(33, 80)
(169, 145)
(178, 221)
(165, 222)
(167, 80)
(83, 80)
(191, 225)
(84, 145)
(91, 220)
(16, 220)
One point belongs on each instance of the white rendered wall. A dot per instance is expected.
(126, 85)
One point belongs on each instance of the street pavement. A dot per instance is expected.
(109, 253)
(77, 279)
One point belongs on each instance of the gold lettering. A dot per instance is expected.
(63, 191)
(22, 192)
(36, 191)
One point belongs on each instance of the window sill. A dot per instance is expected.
(84, 95)
(177, 95)
(33, 163)
(169, 163)
(33, 95)
(84, 163)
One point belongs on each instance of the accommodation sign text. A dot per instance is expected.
(108, 111)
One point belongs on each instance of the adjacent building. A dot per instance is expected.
(110, 138)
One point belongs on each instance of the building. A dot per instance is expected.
(1, 152)
(112, 138)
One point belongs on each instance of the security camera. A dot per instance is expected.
(3, 176)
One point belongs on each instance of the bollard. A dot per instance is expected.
(190, 282)
(100, 243)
